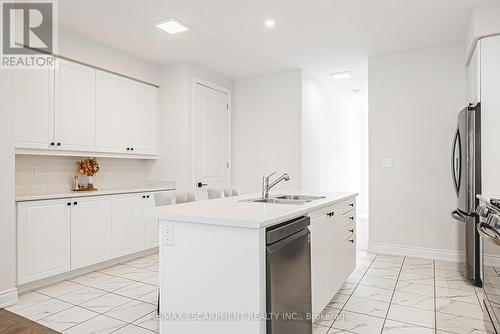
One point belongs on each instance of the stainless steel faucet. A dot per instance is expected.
(266, 186)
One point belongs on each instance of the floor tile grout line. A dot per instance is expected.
(392, 296)
(80, 305)
(348, 298)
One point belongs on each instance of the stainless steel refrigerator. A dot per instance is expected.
(466, 175)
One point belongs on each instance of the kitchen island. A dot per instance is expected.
(213, 258)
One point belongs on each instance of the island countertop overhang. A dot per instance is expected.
(237, 211)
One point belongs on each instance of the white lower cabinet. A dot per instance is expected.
(56, 236)
(128, 232)
(43, 244)
(90, 231)
(333, 255)
(151, 227)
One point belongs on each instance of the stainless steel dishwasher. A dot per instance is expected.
(289, 278)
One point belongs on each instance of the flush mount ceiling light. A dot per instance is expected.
(172, 25)
(270, 23)
(341, 75)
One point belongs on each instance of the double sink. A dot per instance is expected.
(286, 199)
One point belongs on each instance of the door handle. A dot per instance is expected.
(202, 184)
(457, 216)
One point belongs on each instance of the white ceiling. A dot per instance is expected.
(229, 36)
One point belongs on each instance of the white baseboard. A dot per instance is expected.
(427, 253)
(8, 297)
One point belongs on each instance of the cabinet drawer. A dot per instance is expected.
(350, 255)
(349, 231)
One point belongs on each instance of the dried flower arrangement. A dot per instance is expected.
(88, 167)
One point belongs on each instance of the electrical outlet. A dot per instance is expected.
(33, 171)
(167, 235)
(386, 163)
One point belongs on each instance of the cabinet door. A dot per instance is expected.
(34, 108)
(43, 239)
(90, 231)
(112, 126)
(143, 117)
(151, 227)
(320, 269)
(127, 232)
(75, 107)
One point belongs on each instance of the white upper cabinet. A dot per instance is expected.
(75, 107)
(143, 115)
(112, 120)
(33, 108)
(474, 76)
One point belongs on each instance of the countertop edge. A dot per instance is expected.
(76, 194)
(241, 223)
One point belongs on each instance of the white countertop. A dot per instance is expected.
(73, 194)
(235, 212)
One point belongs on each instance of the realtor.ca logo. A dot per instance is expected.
(29, 36)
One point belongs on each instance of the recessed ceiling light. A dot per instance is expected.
(172, 25)
(341, 75)
(356, 91)
(270, 23)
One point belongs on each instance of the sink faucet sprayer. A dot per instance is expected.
(266, 186)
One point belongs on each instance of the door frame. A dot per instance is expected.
(227, 91)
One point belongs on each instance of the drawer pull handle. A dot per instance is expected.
(351, 230)
(351, 204)
(351, 218)
(330, 214)
(351, 241)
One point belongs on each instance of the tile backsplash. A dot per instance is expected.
(50, 174)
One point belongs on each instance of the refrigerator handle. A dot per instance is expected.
(456, 140)
(458, 216)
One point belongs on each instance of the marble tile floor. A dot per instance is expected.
(121, 299)
(385, 294)
(392, 294)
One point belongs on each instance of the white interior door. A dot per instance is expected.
(212, 136)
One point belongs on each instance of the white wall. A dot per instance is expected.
(414, 99)
(8, 293)
(176, 122)
(266, 130)
(38, 174)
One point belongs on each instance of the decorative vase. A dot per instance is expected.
(90, 186)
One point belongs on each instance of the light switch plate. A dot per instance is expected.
(167, 235)
(386, 163)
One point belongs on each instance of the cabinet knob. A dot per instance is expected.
(351, 241)
(69, 204)
(147, 196)
(351, 230)
(52, 144)
(351, 218)
(128, 148)
(131, 148)
(75, 203)
(58, 144)
(351, 204)
(143, 196)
